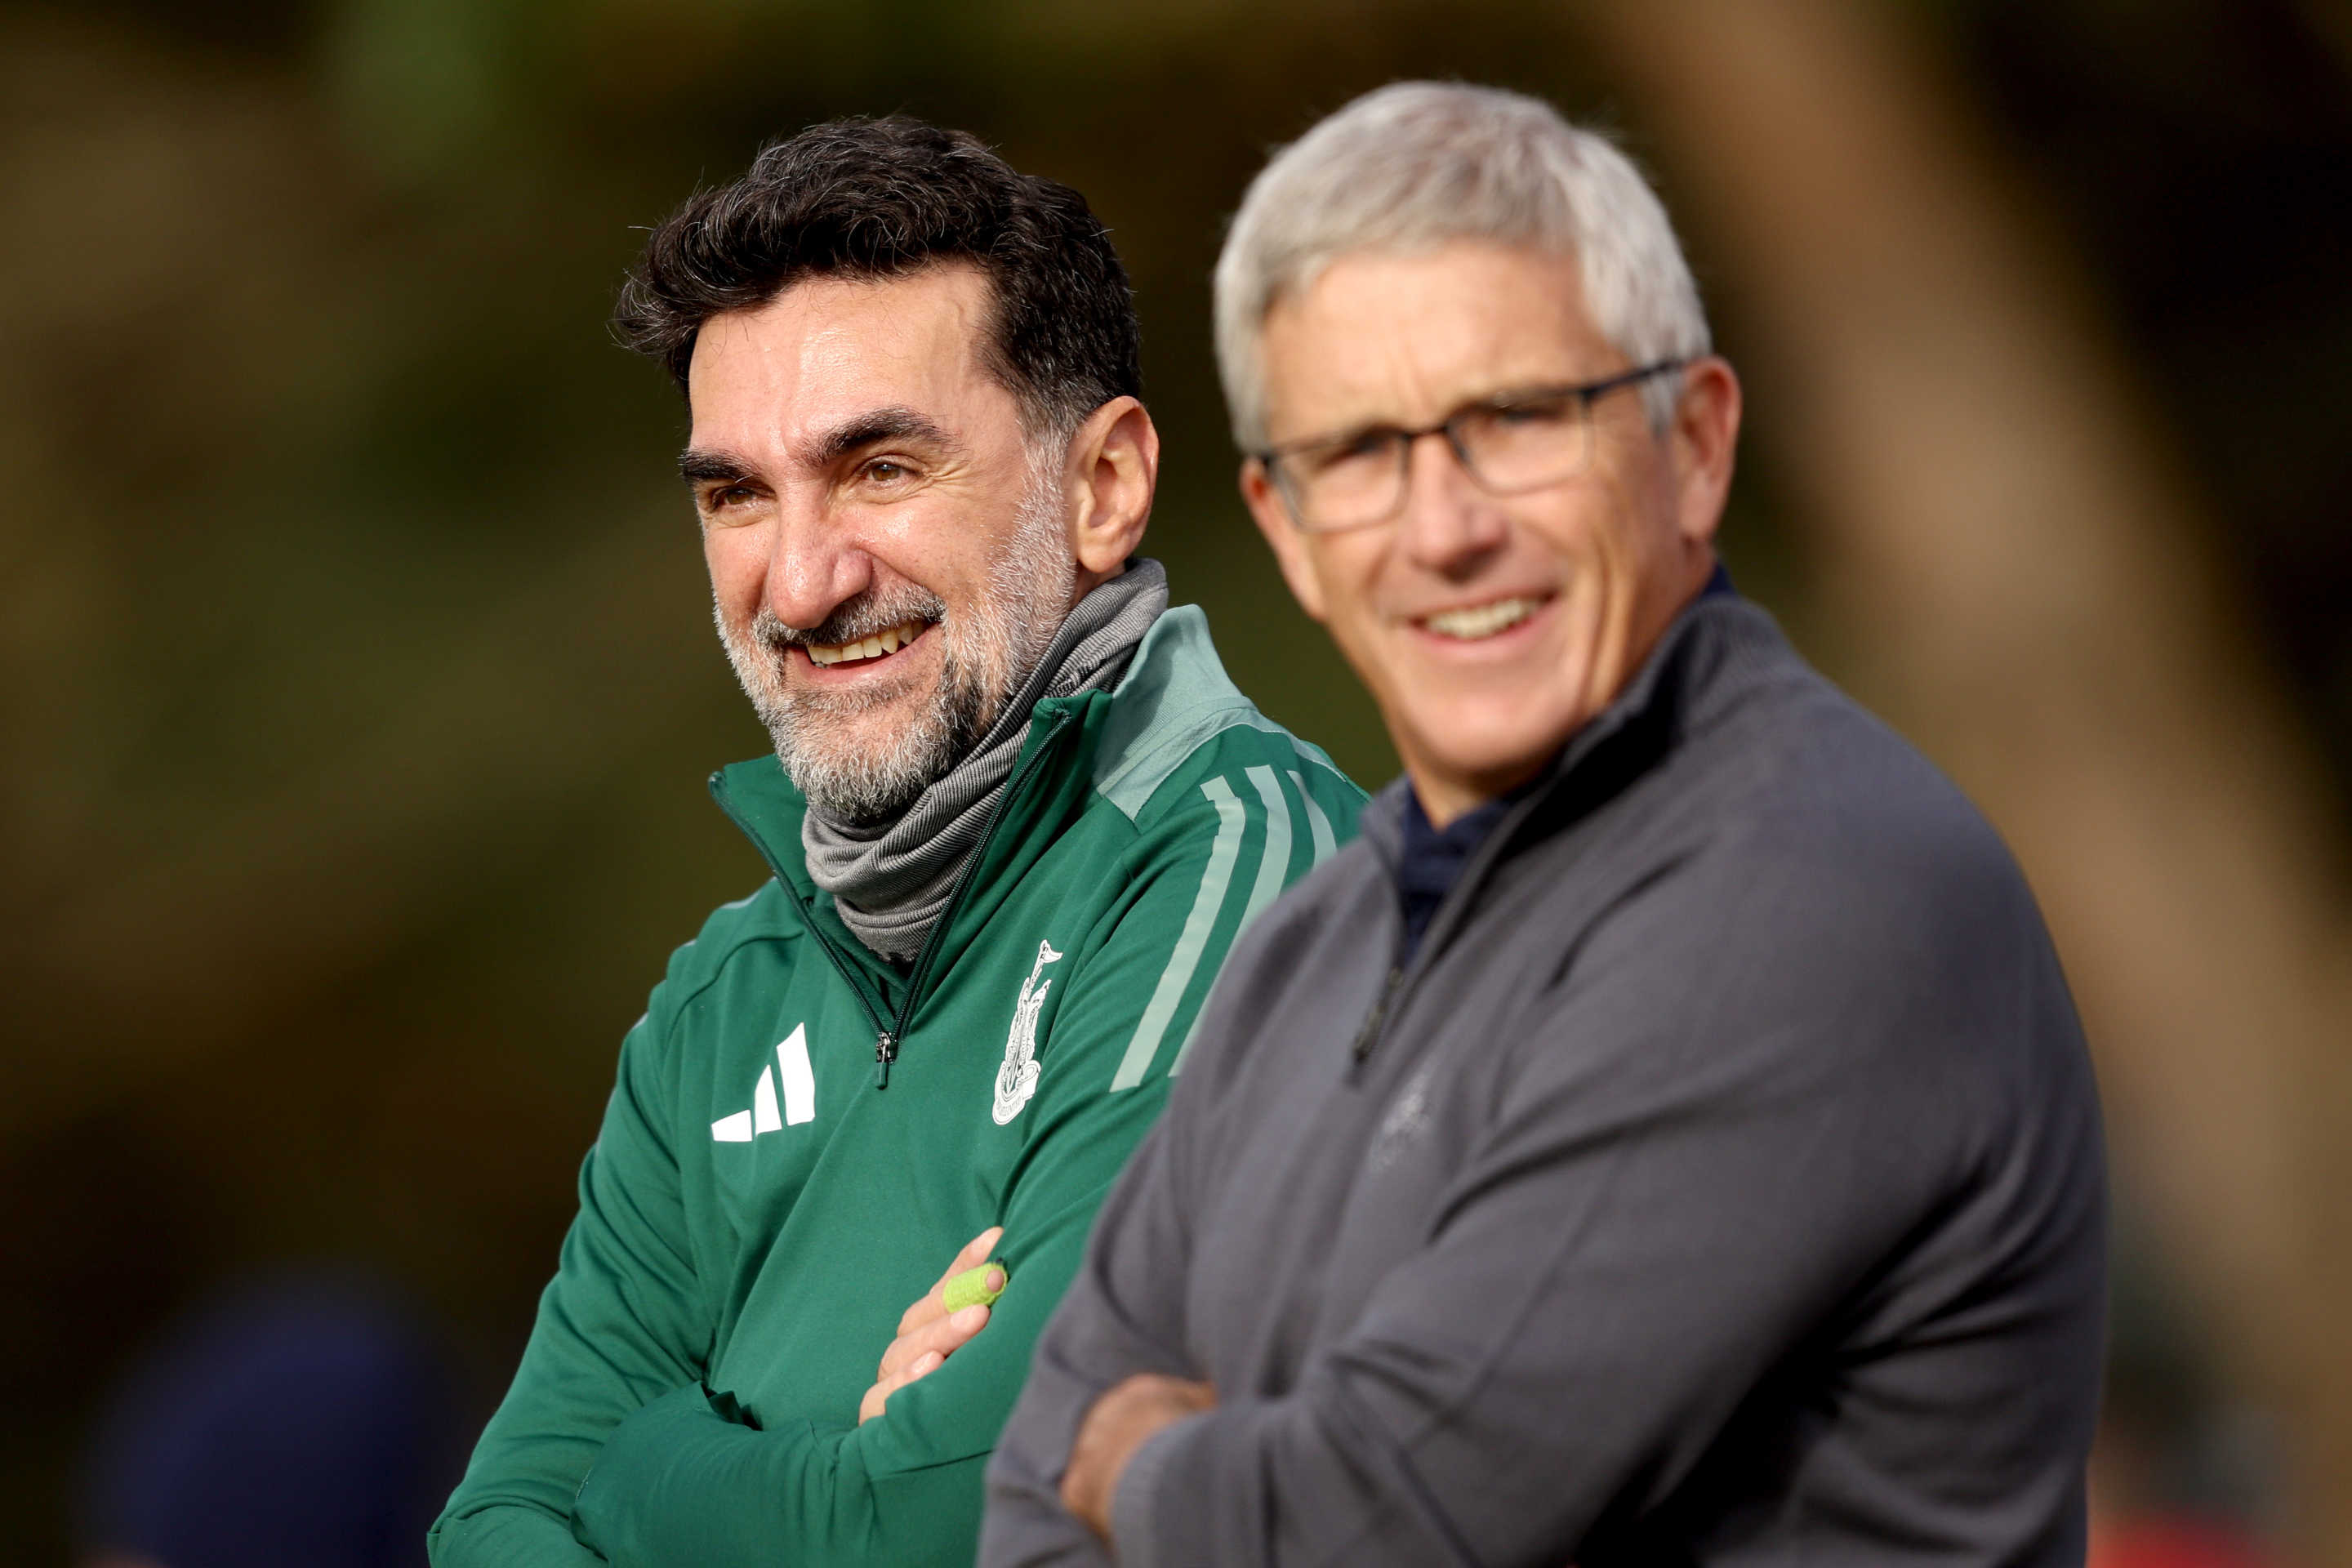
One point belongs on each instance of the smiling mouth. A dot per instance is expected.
(888, 641)
(1481, 621)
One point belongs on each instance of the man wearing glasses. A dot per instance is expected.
(1664, 1137)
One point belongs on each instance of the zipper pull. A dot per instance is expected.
(886, 1051)
(1370, 1032)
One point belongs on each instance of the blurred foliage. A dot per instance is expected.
(356, 684)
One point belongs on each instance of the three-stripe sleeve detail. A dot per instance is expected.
(1191, 942)
(1317, 825)
(1273, 873)
(1273, 866)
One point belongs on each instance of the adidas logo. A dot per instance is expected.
(798, 1084)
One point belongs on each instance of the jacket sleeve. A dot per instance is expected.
(687, 1480)
(1679, 1185)
(621, 1323)
(1124, 1313)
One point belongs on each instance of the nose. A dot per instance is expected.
(1449, 525)
(815, 565)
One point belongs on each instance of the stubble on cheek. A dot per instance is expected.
(860, 751)
(865, 749)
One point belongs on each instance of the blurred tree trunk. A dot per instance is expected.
(2332, 20)
(2011, 569)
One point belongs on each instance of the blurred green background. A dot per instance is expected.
(357, 684)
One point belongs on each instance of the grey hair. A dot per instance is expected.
(1417, 163)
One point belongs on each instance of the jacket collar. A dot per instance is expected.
(1174, 693)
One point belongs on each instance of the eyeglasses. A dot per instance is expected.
(1521, 441)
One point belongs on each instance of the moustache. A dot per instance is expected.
(853, 620)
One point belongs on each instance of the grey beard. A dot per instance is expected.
(989, 649)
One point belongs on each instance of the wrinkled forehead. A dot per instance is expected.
(828, 347)
(1387, 336)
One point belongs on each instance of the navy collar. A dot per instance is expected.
(1429, 860)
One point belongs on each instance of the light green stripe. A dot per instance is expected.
(1273, 871)
(1274, 867)
(1318, 825)
(1191, 942)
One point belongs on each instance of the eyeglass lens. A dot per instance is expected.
(1521, 446)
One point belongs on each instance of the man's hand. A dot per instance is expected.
(928, 1332)
(1114, 1429)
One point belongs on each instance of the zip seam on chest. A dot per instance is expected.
(888, 1036)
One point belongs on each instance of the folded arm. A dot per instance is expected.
(1676, 1190)
(619, 1325)
(686, 1480)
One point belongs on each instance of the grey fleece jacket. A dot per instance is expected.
(1721, 1183)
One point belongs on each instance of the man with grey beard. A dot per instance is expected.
(1016, 815)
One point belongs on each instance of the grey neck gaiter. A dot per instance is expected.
(891, 881)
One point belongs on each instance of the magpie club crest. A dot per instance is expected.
(1016, 1080)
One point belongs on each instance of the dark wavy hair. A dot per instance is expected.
(870, 198)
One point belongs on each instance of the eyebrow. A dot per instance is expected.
(1502, 397)
(698, 465)
(880, 425)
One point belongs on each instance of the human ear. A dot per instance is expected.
(1272, 515)
(1704, 439)
(1112, 468)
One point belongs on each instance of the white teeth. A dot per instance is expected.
(889, 640)
(1481, 620)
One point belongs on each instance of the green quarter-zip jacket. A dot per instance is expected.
(800, 1138)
